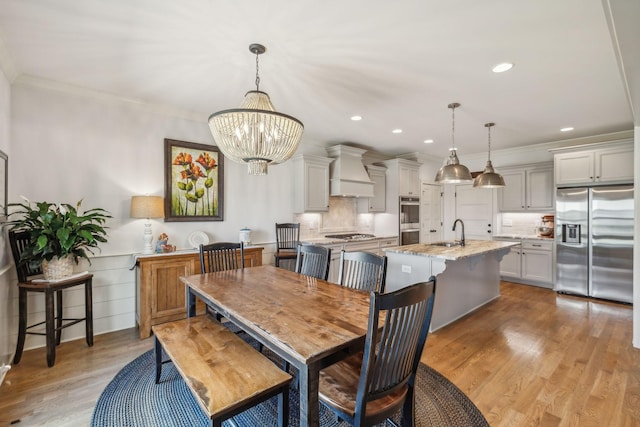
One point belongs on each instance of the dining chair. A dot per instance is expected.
(221, 256)
(54, 321)
(371, 386)
(313, 260)
(362, 271)
(287, 240)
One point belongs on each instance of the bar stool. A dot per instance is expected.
(54, 319)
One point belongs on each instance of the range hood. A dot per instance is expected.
(348, 175)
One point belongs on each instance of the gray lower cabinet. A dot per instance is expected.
(375, 246)
(530, 263)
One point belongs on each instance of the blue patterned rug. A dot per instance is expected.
(132, 399)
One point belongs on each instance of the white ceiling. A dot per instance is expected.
(396, 63)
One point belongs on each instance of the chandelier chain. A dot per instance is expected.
(257, 72)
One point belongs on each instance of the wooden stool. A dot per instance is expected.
(54, 319)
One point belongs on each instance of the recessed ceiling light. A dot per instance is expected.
(428, 141)
(396, 131)
(501, 68)
(356, 118)
(567, 129)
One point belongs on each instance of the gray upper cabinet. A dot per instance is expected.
(609, 163)
(527, 188)
(377, 203)
(311, 186)
(403, 178)
(409, 175)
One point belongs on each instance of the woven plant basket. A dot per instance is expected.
(57, 268)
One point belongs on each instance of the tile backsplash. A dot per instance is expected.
(342, 217)
(524, 223)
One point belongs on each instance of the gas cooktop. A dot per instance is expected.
(350, 236)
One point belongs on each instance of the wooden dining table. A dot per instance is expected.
(308, 322)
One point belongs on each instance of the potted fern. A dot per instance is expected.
(60, 234)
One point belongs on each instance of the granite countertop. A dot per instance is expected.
(333, 241)
(522, 236)
(471, 248)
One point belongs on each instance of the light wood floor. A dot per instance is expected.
(530, 358)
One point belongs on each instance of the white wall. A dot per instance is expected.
(67, 146)
(104, 150)
(636, 252)
(7, 291)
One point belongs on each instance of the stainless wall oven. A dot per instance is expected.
(409, 220)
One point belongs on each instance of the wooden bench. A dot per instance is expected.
(225, 374)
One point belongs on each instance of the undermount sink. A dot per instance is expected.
(447, 244)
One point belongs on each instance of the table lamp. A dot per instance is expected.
(147, 207)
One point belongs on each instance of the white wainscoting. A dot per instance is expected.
(114, 300)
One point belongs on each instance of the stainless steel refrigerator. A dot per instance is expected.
(594, 242)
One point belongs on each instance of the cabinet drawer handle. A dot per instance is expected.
(536, 245)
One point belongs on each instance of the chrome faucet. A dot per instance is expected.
(454, 229)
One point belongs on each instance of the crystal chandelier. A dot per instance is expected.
(256, 133)
(489, 178)
(453, 172)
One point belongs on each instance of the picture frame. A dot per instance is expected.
(194, 182)
(4, 185)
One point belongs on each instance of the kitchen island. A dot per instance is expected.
(468, 277)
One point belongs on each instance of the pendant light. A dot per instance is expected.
(453, 172)
(256, 133)
(489, 178)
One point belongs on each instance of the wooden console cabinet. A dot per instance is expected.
(160, 296)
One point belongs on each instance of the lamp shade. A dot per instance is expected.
(255, 133)
(453, 172)
(147, 207)
(489, 178)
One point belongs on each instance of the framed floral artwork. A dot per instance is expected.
(194, 182)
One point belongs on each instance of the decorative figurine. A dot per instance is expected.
(162, 246)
